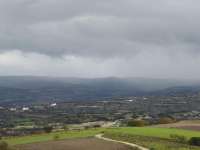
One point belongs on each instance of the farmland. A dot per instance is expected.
(76, 144)
(154, 138)
(50, 136)
(185, 124)
(155, 132)
(150, 137)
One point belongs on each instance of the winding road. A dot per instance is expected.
(100, 136)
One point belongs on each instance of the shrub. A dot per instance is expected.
(87, 127)
(66, 128)
(195, 141)
(3, 145)
(56, 137)
(136, 123)
(166, 120)
(96, 126)
(48, 129)
(178, 138)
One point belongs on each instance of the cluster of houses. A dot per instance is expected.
(23, 108)
(187, 115)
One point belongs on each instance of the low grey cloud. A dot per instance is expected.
(111, 32)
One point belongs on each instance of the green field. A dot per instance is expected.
(157, 138)
(153, 138)
(155, 132)
(50, 136)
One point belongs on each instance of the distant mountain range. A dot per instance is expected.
(44, 89)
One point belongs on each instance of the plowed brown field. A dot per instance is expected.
(187, 124)
(75, 144)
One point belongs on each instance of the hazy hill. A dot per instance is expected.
(31, 89)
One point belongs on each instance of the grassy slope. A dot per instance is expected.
(156, 132)
(156, 138)
(48, 137)
(146, 136)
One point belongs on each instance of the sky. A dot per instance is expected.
(100, 38)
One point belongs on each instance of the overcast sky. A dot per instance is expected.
(100, 38)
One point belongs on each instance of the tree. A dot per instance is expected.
(96, 126)
(56, 137)
(3, 145)
(66, 128)
(136, 123)
(195, 141)
(48, 129)
(166, 120)
(178, 138)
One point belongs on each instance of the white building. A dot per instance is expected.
(13, 109)
(53, 105)
(25, 108)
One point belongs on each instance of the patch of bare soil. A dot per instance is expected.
(75, 144)
(188, 124)
(195, 128)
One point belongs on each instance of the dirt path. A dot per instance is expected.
(100, 136)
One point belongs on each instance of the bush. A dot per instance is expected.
(3, 145)
(56, 137)
(166, 120)
(48, 129)
(96, 126)
(136, 123)
(136, 148)
(195, 141)
(66, 128)
(87, 127)
(178, 138)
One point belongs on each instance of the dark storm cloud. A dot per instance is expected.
(99, 28)
(137, 38)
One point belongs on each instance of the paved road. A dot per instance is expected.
(100, 136)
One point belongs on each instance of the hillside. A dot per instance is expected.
(32, 89)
